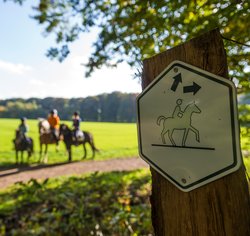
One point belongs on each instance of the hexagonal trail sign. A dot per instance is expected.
(188, 126)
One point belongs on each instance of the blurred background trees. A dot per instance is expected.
(114, 107)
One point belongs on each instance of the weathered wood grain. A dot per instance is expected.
(221, 207)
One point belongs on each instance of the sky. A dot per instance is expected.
(26, 72)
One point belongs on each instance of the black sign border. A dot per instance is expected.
(207, 76)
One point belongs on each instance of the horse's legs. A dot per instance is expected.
(30, 149)
(170, 135)
(69, 153)
(185, 137)
(84, 150)
(93, 149)
(45, 154)
(163, 135)
(16, 157)
(41, 152)
(68, 148)
(92, 144)
(196, 131)
(21, 157)
(29, 155)
(28, 158)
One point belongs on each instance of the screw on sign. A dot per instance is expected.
(188, 126)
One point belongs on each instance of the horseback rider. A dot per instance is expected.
(21, 141)
(23, 129)
(178, 113)
(54, 122)
(77, 133)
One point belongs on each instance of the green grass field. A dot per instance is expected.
(80, 204)
(112, 139)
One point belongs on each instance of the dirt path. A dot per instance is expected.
(10, 176)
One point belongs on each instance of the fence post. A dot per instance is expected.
(221, 207)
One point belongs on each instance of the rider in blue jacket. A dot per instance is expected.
(76, 124)
(23, 129)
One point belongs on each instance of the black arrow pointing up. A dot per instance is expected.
(192, 88)
(177, 80)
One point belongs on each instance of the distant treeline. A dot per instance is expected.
(114, 107)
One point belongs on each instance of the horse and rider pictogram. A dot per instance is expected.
(185, 135)
(180, 120)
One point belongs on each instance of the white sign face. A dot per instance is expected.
(188, 126)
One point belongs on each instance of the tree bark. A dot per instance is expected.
(218, 208)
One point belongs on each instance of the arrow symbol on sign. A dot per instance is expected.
(177, 80)
(192, 88)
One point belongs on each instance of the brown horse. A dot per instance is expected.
(45, 137)
(22, 144)
(68, 138)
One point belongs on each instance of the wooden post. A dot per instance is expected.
(221, 207)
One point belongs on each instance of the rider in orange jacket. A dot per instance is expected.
(54, 122)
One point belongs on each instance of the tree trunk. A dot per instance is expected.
(218, 208)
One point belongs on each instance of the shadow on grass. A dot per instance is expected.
(12, 169)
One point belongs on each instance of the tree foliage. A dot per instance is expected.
(132, 30)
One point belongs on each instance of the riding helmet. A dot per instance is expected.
(53, 112)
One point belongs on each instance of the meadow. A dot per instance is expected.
(77, 205)
(81, 205)
(112, 139)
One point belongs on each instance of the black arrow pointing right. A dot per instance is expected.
(192, 88)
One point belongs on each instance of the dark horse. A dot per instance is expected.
(45, 137)
(67, 134)
(22, 144)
